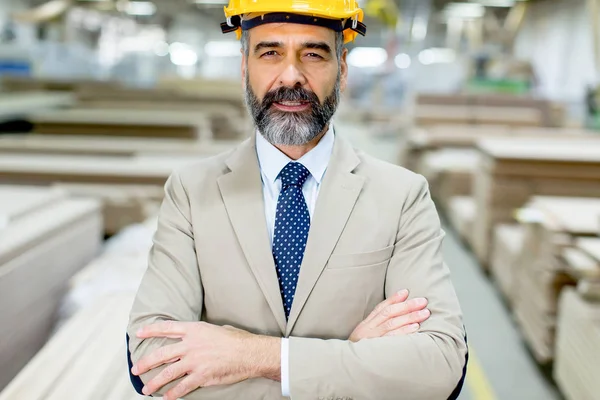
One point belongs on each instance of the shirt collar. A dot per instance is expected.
(272, 160)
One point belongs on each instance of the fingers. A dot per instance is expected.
(163, 355)
(185, 387)
(167, 375)
(394, 324)
(399, 309)
(399, 297)
(167, 329)
(405, 330)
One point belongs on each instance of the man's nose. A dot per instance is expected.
(292, 76)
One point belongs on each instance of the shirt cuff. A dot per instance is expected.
(285, 367)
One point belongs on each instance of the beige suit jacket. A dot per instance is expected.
(375, 231)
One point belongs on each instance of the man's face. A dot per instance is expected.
(293, 80)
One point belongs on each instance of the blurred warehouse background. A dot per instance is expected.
(495, 102)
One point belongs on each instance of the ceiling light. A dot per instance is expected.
(140, 8)
(402, 61)
(367, 57)
(437, 56)
(183, 55)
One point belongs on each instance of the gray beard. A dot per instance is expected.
(282, 128)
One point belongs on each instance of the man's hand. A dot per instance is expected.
(207, 355)
(395, 316)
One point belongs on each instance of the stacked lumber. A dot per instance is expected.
(507, 249)
(513, 170)
(478, 115)
(85, 359)
(449, 172)
(461, 212)
(87, 353)
(495, 108)
(45, 238)
(551, 259)
(16, 105)
(164, 98)
(27, 84)
(109, 146)
(422, 140)
(122, 122)
(576, 369)
(129, 188)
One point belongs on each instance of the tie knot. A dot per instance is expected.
(294, 174)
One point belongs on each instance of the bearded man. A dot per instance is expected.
(294, 265)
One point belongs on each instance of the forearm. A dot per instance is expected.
(419, 366)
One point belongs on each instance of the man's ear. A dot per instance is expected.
(344, 70)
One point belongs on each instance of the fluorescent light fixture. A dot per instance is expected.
(223, 48)
(367, 57)
(402, 61)
(497, 3)
(437, 56)
(183, 55)
(141, 8)
(464, 10)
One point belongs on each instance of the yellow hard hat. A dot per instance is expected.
(339, 15)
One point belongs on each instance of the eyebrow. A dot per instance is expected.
(267, 45)
(306, 45)
(317, 46)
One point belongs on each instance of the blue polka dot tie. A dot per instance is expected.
(292, 223)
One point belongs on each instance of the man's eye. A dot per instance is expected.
(270, 53)
(313, 55)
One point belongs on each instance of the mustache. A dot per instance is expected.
(290, 94)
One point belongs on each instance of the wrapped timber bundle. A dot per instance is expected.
(576, 368)
(553, 257)
(461, 213)
(513, 170)
(45, 238)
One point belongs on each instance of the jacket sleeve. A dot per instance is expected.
(430, 364)
(171, 288)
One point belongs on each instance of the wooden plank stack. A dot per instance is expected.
(85, 145)
(129, 188)
(140, 123)
(486, 109)
(547, 264)
(507, 249)
(449, 172)
(86, 358)
(45, 238)
(87, 353)
(461, 211)
(513, 170)
(17, 105)
(576, 369)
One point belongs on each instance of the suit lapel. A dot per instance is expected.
(243, 197)
(338, 195)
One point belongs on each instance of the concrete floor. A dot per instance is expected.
(500, 366)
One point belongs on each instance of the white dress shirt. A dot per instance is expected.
(271, 162)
